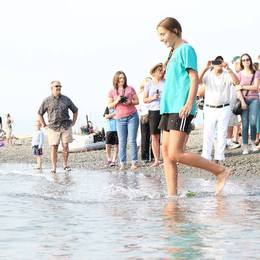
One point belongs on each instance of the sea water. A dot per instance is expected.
(123, 215)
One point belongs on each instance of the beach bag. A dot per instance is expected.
(237, 108)
(144, 119)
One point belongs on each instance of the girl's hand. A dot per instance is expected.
(185, 111)
(118, 99)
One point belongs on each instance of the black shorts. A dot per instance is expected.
(154, 120)
(111, 137)
(174, 122)
(36, 151)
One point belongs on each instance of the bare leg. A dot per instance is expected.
(115, 153)
(156, 148)
(176, 153)
(108, 152)
(65, 154)
(39, 162)
(170, 167)
(54, 151)
(236, 133)
(230, 132)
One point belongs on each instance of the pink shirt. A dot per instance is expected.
(121, 109)
(245, 80)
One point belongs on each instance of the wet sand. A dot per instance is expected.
(241, 165)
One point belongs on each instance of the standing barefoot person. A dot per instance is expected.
(178, 107)
(152, 93)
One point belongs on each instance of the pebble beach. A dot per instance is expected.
(242, 165)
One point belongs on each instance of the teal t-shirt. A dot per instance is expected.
(177, 81)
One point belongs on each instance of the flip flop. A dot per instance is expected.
(53, 171)
(67, 168)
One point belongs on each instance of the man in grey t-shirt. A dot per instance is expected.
(59, 128)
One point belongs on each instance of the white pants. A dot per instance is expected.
(215, 125)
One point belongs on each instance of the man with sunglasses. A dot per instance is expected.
(59, 128)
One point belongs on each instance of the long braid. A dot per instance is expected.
(167, 61)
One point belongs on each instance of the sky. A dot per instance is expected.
(83, 43)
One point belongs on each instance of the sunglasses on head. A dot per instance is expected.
(246, 59)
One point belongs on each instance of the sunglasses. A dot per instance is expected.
(245, 60)
(58, 86)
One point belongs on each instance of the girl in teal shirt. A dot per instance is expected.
(178, 108)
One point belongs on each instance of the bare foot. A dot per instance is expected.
(135, 167)
(155, 164)
(221, 180)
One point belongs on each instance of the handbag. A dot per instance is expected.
(237, 108)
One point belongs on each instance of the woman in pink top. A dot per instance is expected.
(124, 99)
(248, 94)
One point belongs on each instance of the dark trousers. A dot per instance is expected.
(145, 142)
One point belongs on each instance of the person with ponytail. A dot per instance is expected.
(178, 107)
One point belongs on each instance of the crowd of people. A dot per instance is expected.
(158, 119)
(6, 128)
(167, 105)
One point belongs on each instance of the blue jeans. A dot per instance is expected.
(127, 127)
(249, 117)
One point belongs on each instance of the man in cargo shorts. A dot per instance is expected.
(59, 128)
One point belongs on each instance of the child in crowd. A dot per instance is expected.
(37, 144)
(111, 136)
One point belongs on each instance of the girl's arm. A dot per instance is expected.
(135, 100)
(113, 103)
(254, 86)
(193, 75)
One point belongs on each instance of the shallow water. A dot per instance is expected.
(104, 215)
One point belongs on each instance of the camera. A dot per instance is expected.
(216, 62)
(123, 99)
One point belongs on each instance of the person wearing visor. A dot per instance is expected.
(220, 95)
(59, 128)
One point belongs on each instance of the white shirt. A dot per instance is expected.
(142, 107)
(219, 89)
(38, 138)
(151, 88)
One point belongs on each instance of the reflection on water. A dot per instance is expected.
(95, 215)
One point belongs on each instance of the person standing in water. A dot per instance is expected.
(178, 107)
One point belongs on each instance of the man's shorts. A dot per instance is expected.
(111, 138)
(36, 150)
(233, 121)
(174, 122)
(56, 136)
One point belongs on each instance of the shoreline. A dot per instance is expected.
(241, 165)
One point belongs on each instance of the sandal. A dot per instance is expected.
(53, 171)
(67, 168)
